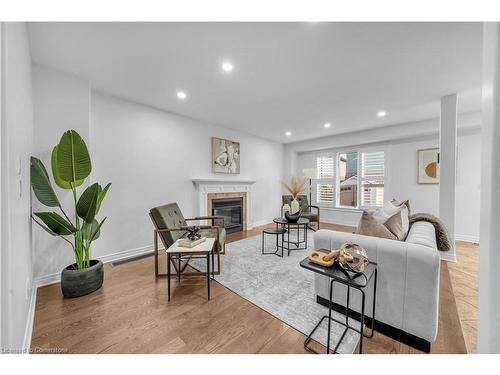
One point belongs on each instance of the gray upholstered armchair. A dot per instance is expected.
(306, 209)
(170, 225)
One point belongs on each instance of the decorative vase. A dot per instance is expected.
(292, 218)
(294, 206)
(76, 283)
(286, 208)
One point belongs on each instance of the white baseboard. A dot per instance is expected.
(329, 221)
(467, 238)
(121, 255)
(28, 331)
(260, 222)
(445, 255)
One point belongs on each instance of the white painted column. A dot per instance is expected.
(447, 167)
(489, 275)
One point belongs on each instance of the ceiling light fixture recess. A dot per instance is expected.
(381, 113)
(288, 134)
(227, 67)
(182, 95)
(327, 125)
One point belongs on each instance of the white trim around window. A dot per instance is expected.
(368, 175)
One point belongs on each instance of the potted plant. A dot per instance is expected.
(71, 165)
(296, 186)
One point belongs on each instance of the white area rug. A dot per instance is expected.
(279, 286)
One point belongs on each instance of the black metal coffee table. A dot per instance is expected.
(352, 280)
(301, 226)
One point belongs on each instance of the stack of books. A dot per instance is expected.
(186, 242)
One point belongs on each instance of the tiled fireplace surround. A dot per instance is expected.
(210, 189)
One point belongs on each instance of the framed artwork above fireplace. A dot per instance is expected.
(225, 156)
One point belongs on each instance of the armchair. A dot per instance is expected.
(170, 225)
(305, 208)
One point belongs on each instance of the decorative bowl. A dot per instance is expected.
(292, 218)
(353, 258)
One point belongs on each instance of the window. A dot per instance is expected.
(325, 192)
(372, 178)
(350, 179)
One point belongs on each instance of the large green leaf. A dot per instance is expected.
(102, 194)
(55, 172)
(86, 207)
(91, 231)
(44, 227)
(41, 185)
(56, 223)
(73, 159)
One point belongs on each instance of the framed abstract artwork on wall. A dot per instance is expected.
(428, 166)
(225, 156)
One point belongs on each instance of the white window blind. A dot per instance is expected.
(372, 178)
(325, 184)
(325, 165)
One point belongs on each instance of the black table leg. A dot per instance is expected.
(208, 275)
(362, 321)
(179, 270)
(288, 237)
(330, 302)
(263, 239)
(213, 265)
(168, 275)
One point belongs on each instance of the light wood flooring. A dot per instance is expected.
(465, 280)
(130, 314)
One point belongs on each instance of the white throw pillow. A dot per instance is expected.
(389, 209)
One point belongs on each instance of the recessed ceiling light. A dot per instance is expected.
(227, 67)
(327, 125)
(182, 95)
(381, 113)
(288, 134)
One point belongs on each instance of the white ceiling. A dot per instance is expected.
(287, 76)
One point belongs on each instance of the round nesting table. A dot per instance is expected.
(278, 232)
(299, 227)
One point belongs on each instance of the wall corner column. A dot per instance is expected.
(489, 276)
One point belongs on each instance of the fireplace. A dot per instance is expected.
(232, 211)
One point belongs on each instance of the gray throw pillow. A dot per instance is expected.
(395, 225)
(369, 226)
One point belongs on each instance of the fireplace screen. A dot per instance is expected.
(232, 211)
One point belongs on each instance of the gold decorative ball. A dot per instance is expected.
(352, 257)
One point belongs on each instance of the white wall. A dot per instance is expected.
(61, 102)
(401, 181)
(16, 148)
(149, 155)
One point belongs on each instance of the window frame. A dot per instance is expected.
(335, 154)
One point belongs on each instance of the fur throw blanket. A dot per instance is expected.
(442, 239)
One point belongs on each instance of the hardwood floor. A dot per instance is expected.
(465, 280)
(130, 314)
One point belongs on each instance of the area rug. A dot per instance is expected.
(279, 286)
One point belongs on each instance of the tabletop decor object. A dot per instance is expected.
(292, 218)
(325, 260)
(296, 186)
(352, 257)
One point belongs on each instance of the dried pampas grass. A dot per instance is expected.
(296, 185)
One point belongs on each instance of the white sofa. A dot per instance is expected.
(408, 282)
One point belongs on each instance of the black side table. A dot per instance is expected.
(276, 232)
(302, 223)
(352, 280)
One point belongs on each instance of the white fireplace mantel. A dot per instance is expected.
(205, 186)
(220, 181)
